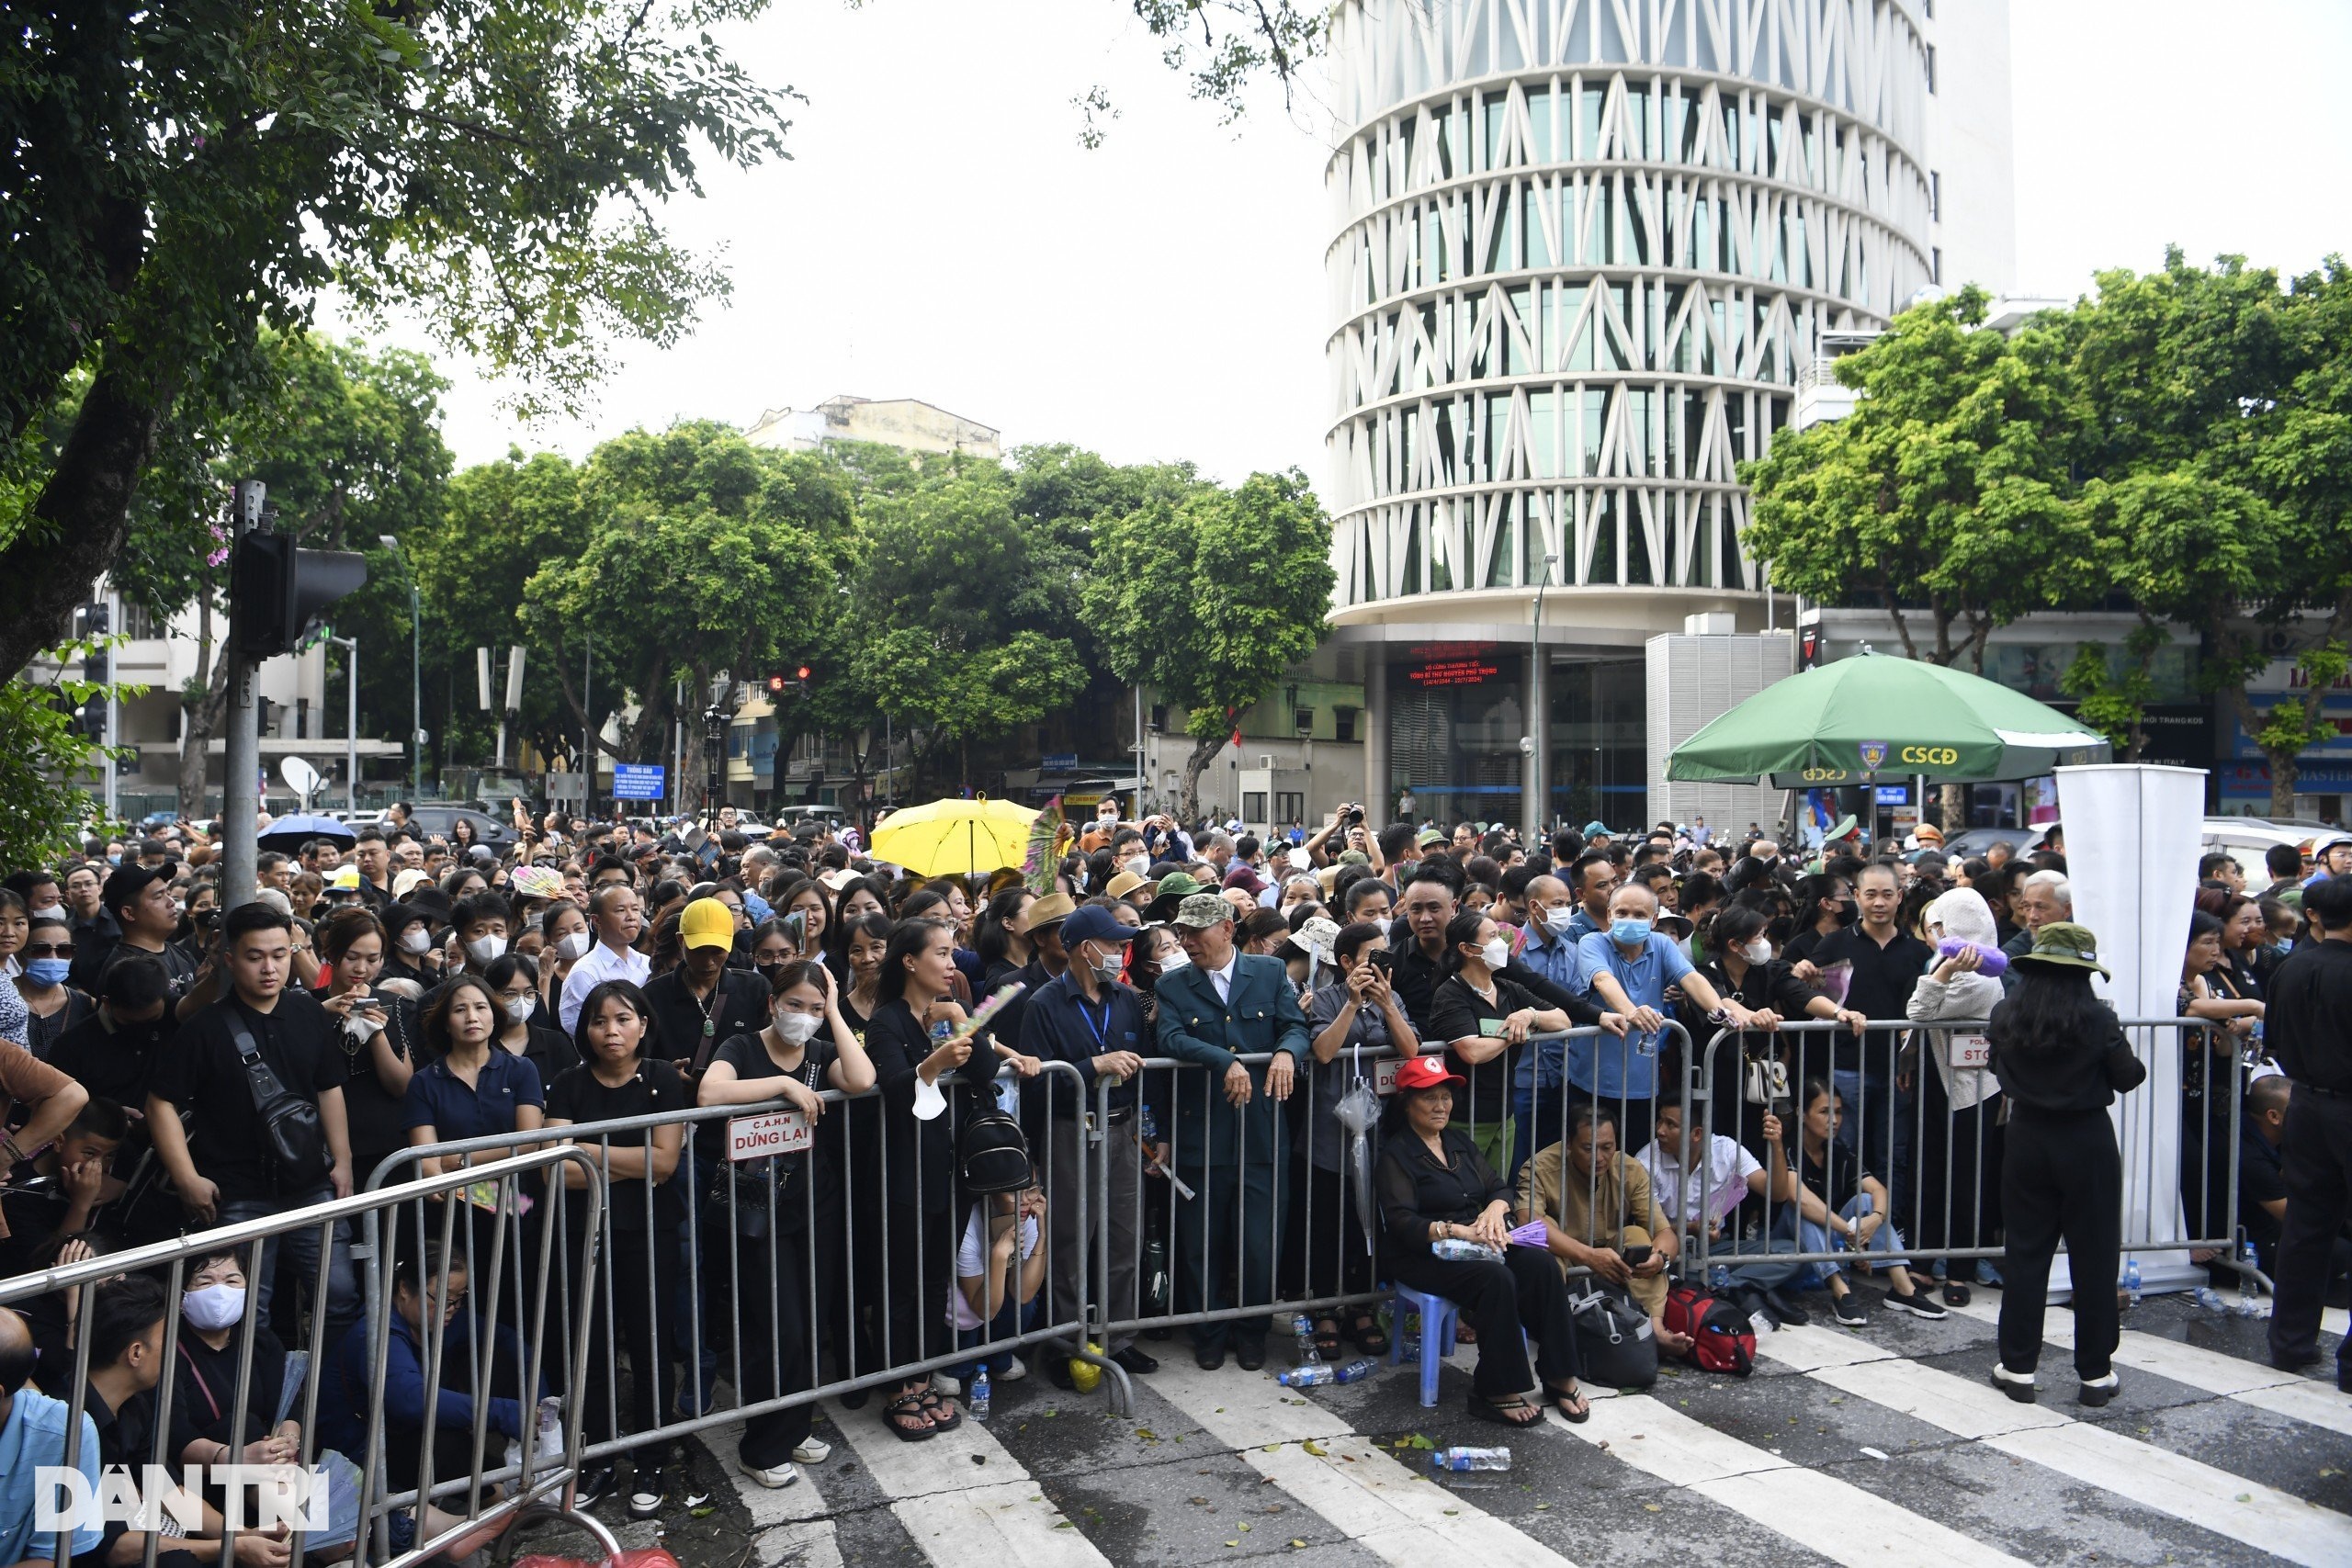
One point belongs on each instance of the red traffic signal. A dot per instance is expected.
(801, 674)
(776, 683)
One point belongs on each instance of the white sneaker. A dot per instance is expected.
(1015, 1370)
(946, 1386)
(816, 1450)
(782, 1475)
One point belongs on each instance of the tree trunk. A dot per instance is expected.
(1189, 805)
(202, 704)
(1955, 809)
(2284, 772)
(81, 518)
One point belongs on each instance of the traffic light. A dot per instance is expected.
(775, 685)
(90, 718)
(276, 590)
(90, 625)
(801, 674)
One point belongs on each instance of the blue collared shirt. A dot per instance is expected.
(1608, 1067)
(439, 1099)
(1556, 959)
(33, 1438)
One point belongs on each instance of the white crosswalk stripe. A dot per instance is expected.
(964, 1514)
(1837, 1519)
(2243, 1510)
(788, 1523)
(2232, 1377)
(1392, 1511)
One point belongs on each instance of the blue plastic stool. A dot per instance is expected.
(1438, 1318)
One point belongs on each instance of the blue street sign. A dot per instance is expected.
(638, 781)
(1058, 763)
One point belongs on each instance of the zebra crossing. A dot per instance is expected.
(1884, 1446)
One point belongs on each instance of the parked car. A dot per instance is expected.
(430, 817)
(1971, 843)
(2248, 840)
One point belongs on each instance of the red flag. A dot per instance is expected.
(1237, 737)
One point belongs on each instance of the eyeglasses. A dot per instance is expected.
(49, 950)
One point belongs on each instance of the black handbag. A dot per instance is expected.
(296, 1137)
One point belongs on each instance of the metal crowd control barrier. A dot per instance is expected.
(1922, 1116)
(873, 1276)
(1268, 1220)
(539, 1484)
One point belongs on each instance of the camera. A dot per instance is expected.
(1351, 818)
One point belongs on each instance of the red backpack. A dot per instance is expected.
(1722, 1340)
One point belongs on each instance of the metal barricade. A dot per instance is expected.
(496, 1494)
(1256, 1205)
(1915, 1109)
(742, 1269)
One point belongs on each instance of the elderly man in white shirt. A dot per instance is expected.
(618, 916)
(1701, 1181)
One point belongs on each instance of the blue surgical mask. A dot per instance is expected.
(48, 972)
(1629, 929)
(2283, 948)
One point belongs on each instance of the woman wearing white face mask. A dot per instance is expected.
(806, 1047)
(526, 1027)
(1743, 968)
(566, 939)
(204, 1397)
(409, 953)
(1485, 1019)
(376, 1035)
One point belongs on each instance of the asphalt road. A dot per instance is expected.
(1883, 1445)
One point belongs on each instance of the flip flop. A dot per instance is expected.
(1573, 1406)
(1506, 1414)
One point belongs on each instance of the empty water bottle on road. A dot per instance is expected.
(2210, 1299)
(1470, 1458)
(1302, 1328)
(1307, 1374)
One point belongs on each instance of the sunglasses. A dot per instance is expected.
(49, 950)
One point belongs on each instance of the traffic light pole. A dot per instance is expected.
(114, 720)
(241, 783)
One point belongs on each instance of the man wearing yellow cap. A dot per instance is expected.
(702, 1001)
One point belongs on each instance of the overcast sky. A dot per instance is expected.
(940, 234)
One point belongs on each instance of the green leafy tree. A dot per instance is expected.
(1214, 593)
(2220, 447)
(953, 616)
(43, 805)
(703, 556)
(180, 175)
(1944, 497)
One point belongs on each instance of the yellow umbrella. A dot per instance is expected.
(956, 837)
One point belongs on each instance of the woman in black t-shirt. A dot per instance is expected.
(623, 1073)
(768, 1205)
(375, 1037)
(1484, 1020)
(912, 1041)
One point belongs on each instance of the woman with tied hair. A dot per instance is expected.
(1956, 1158)
(2061, 1058)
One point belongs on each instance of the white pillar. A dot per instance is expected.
(2132, 837)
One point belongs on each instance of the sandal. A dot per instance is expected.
(1518, 1412)
(1463, 1333)
(901, 1415)
(1370, 1337)
(1955, 1294)
(944, 1415)
(1572, 1406)
(1326, 1338)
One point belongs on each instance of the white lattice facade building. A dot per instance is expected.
(1584, 251)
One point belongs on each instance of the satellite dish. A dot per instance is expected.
(301, 778)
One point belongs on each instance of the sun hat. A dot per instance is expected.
(2062, 944)
(1050, 910)
(407, 882)
(1127, 882)
(1316, 938)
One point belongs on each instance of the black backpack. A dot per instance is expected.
(993, 1154)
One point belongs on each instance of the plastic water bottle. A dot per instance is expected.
(1302, 1328)
(1356, 1370)
(2249, 1286)
(1408, 1335)
(976, 1398)
(1150, 1125)
(1456, 1249)
(2210, 1299)
(1460, 1458)
(2132, 1280)
(1307, 1374)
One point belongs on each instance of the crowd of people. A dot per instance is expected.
(172, 1065)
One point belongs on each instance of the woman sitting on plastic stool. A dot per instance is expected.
(1435, 1187)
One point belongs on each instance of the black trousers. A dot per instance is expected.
(2060, 1177)
(762, 1311)
(922, 1248)
(624, 1324)
(1330, 1235)
(2317, 1172)
(1957, 1172)
(1524, 1295)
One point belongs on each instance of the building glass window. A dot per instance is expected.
(1289, 807)
(1253, 805)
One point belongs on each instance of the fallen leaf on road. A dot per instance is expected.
(1317, 1449)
